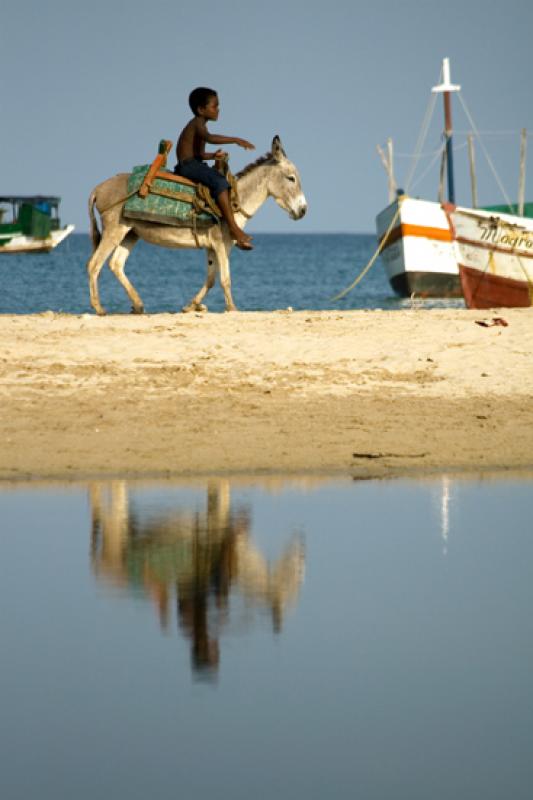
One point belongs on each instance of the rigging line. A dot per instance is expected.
(422, 137)
(485, 151)
(435, 158)
(432, 153)
(438, 154)
(495, 133)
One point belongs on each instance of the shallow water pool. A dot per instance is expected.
(277, 639)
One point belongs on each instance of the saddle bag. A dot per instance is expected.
(157, 195)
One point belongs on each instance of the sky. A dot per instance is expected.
(88, 90)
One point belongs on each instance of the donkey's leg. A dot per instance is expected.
(117, 263)
(212, 266)
(225, 276)
(94, 265)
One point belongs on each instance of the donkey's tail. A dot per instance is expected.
(96, 236)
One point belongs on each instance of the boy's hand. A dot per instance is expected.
(244, 143)
(220, 154)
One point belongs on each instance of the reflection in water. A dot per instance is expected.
(443, 497)
(445, 513)
(198, 558)
(406, 673)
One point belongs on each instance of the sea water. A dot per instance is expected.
(267, 639)
(302, 271)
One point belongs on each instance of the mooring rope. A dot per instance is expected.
(365, 269)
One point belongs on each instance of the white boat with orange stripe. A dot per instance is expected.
(414, 235)
(417, 248)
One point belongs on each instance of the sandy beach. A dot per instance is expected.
(362, 393)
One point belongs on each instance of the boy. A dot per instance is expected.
(190, 152)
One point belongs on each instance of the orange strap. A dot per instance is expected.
(159, 161)
(169, 176)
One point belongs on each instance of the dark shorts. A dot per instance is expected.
(196, 170)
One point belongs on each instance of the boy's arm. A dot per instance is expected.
(213, 138)
(204, 136)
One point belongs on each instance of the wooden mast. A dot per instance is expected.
(473, 180)
(387, 161)
(522, 177)
(446, 88)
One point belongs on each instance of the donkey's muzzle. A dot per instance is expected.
(300, 208)
(299, 212)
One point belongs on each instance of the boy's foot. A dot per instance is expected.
(243, 240)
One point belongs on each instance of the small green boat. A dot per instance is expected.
(32, 224)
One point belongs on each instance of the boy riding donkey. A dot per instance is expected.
(190, 152)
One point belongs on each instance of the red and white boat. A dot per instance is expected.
(439, 249)
(494, 252)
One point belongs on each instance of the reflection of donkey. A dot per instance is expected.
(272, 175)
(201, 557)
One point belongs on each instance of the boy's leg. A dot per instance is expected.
(243, 239)
(196, 170)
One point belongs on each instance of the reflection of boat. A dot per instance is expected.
(495, 256)
(34, 226)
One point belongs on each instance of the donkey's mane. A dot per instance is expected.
(261, 160)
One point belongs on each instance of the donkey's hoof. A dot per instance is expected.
(137, 309)
(194, 307)
(101, 312)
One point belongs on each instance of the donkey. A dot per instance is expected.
(272, 175)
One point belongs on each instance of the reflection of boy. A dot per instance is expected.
(190, 152)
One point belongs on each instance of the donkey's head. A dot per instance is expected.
(284, 182)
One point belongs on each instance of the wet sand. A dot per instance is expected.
(361, 393)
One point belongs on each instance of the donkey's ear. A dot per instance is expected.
(277, 149)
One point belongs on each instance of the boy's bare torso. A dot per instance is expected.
(192, 140)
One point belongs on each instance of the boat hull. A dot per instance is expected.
(492, 291)
(418, 253)
(29, 244)
(495, 257)
(426, 284)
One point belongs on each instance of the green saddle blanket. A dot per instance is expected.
(160, 208)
